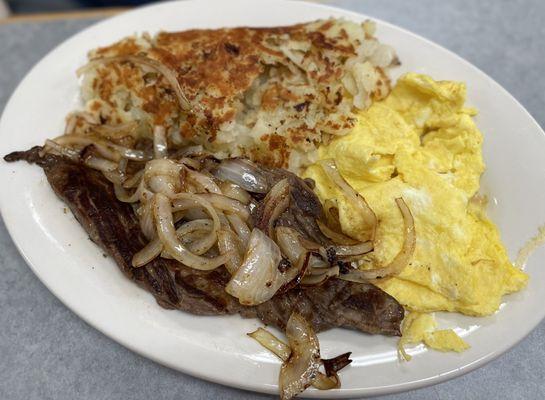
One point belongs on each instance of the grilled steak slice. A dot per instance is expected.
(337, 303)
(304, 206)
(114, 227)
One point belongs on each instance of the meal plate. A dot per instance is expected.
(216, 348)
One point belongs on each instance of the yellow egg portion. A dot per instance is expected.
(419, 327)
(445, 340)
(420, 143)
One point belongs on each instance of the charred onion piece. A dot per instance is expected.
(240, 228)
(301, 368)
(243, 173)
(335, 364)
(324, 382)
(354, 197)
(204, 182)
(274, 204)
(289, 241)
(225, 203)
(283, 351)
(318, 279)
(400, 261)
(339, 238)
(234, 191)
(258, 278)
(160, 149)
(353, 250)
(271, 343)
(228, 243)
(106, 148)
(162, 212)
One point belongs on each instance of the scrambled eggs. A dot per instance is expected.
(420, 143)
(419, 327)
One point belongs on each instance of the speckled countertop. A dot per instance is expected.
(47, 352)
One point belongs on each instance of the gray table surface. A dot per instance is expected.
(47, 352)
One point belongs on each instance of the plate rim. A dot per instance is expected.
(337, 393)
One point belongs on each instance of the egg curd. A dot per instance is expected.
(421, 144)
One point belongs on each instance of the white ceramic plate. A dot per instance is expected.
(216, 348)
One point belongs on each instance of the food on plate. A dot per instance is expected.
(422, 327)
(114, 226)
(269, 94)
(421, 144)
(274, 173)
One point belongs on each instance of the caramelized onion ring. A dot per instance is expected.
(162, 211)
(302, 367)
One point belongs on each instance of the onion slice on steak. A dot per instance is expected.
(234, 191)
(274, 204)
(243, 173)
(106, 148)
(204, 182)
(258, 278)
(319, 279)
(229, 243)
(400, 261)
(289, 241)
(337, 237)
(239, 227)
(227, 204)
(160, 148)
(155, 247)
(162, 211)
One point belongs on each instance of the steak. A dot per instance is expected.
(113, 226)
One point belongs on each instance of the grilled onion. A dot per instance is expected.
(148, 253)
(227, 204)
(228, 243)
(145, 216)
(100, 164)
(302, 366)
(283, 351)
(337, 237)
(354, 197)
(234, 191)
(400, 261)
(162, 212)
(62, 150)
(239, 226)
(320, 278)
(160, 149)
(106, 148)
(243, 173)
(155, 247)
(258, 278)
(271, 343)
(353, 250)
(289, 241)
(203, 181)
(274, 204)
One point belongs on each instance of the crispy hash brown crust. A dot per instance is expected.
(270, 94)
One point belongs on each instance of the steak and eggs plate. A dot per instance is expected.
(279, 174)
